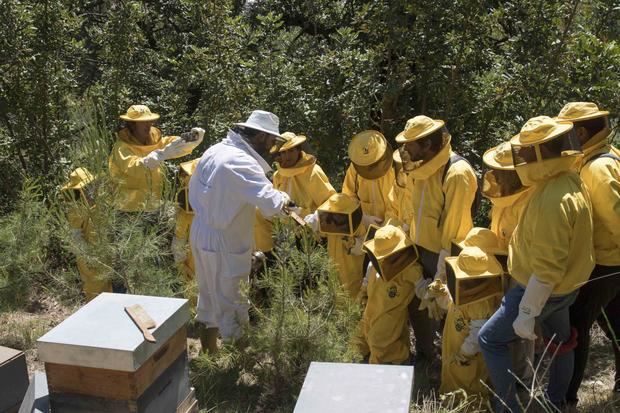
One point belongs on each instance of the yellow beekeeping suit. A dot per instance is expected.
(139, 188)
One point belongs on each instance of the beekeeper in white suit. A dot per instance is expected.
(228, 185)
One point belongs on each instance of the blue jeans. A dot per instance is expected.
(497, 333)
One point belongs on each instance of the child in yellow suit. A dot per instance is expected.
(392, 274)
(181, 250)
(339, 219)
(80, 212)
(475, 282)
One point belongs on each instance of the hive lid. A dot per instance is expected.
(101, 334)
(360, 388)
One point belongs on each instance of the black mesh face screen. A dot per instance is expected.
(334, 223)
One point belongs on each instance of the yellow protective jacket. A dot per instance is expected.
(374, 194)
(433, 229)
(554, 237)
(384, 326)
(602, 178)
(139, 188)
(505, 213)
(467, 377)
(401, 207)
(308, 187)
(80, 217)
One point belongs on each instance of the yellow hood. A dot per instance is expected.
(430, 167)
(125, 135)
(305, 162)
(534, 173)
(506, 201)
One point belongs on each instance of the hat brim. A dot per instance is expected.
(494, 251)
(564, 126)
(437, 124)
(370, 246)
(147, 118)
(460, 273)
(489, 160)
(380, 153)
(293, 143)
(377, 169)
(594, 115)
(252, 126)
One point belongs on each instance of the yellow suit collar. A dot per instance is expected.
(305, 162)
(433, 165)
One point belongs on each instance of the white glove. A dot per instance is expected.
(174, 149)
(533, 301)
(443, 301)
(357, 247)
(200, 133)
(286, 199)
(421, 287)
(313, 221)
(179, 251)
(437, 299)
(470, 346)
(368, 220)
(440, 273)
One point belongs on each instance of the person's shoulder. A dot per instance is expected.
(604, 167)
(565, 191)
(460, 169)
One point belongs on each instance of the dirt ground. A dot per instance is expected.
(21, 329)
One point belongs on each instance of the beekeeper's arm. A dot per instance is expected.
(349, 185)
(248, 180)
(320, 188)
(460, 191)
(175, 147)
(604, 174)
(552, 233)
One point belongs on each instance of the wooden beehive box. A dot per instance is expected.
(98, 361)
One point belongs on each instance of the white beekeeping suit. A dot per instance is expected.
(227, 186)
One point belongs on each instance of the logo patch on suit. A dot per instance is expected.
(392, 292)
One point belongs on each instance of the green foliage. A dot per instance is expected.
(24, 237)
(328, 68)
(309, 317)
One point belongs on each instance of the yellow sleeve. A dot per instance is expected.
(392, 210)
(603, 182)
(349, 186)
(124, 162)
(320, 188)
(460, 191)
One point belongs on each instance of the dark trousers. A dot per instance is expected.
(423, 327)
(593, 297)
(423, 330)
